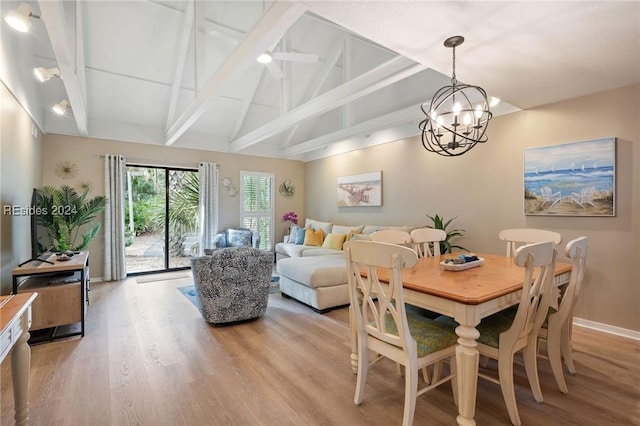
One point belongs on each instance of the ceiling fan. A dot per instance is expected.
(267, 59)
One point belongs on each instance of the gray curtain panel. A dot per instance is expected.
(114, 189)
(208, 205)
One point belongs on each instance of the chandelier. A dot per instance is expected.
(457, 116)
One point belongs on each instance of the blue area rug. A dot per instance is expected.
(189, 291)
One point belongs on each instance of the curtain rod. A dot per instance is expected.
(147, 162)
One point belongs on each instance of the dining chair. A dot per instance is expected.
(392, 236)
(503, 335)
(426, 241)
(403, 238)
(386, 328)
(515, 237)
(557, 328)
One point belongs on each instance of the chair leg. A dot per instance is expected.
(530, 355)
(363, 367)
(437, 371)
(484, 361)
(410, 393)
(425, 375)
(453, 370)
(505, 374)
(565, 342)
(554, 336)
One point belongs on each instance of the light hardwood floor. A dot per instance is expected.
(148, 358)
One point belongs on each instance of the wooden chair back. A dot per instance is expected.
(516, 237)
(391, 236)
(426, 241)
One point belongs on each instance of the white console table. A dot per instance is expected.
(15, 320)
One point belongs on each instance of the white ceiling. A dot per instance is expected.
(184, 74)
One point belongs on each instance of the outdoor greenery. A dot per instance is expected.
(148, 205)
(64, 214)
(446, 246)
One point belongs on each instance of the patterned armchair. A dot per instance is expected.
(234, 237)
(233, 283)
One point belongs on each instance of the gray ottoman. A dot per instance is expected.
(317, 281)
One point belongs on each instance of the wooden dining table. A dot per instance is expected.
(467, 296)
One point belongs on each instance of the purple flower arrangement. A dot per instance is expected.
(290, 217)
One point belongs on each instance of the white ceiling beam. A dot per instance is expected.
(392, 119)
(64, 48)
(199, 48)
(181, 59)
(347, 117)
(224, 31)
(323, 74)
(80, 64)
(267, 31)
(252, 86)
(382, 76)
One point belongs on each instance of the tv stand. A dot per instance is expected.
(61, 299)
(34, 259)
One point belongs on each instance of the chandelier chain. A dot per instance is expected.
(453, 75)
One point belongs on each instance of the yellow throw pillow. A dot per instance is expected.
(313, 238)
(334, 241)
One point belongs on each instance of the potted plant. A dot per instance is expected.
(439, 223)
(64, 212)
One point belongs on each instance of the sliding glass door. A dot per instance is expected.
(161, 218)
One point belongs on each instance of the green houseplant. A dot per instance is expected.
(439, 223)
(64, 214)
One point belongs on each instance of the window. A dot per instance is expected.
(257, 205)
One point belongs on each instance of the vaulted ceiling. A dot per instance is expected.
(346, 74)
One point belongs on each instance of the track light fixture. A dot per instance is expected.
(61, 107)
(44, 74)
(19, 19)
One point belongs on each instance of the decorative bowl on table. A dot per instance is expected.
(462, 262)
(63, 256)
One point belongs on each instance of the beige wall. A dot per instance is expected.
(87, 155)
(19, 174)
(484, 188)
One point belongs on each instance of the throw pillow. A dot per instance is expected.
(293, 232)
(351, 234)
(238, 238)
(316, 224)
(341, 229)
(300, 233)
(334, 241)
(313, 238)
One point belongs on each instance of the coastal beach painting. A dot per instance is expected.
(362, 190)
(572, 179)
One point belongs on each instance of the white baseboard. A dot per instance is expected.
(605, 328)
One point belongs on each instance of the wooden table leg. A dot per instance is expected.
(20, 365)
(467, 361)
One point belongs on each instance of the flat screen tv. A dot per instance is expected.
(37, 231)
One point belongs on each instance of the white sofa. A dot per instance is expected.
(288, 249)
(316, 275)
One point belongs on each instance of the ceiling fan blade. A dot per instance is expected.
(295, 57)
(275, 70)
